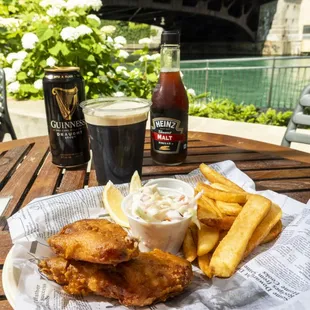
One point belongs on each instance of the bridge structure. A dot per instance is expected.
(198, 20)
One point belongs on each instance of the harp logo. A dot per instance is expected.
(67, 100)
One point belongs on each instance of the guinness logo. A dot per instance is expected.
(67, 100)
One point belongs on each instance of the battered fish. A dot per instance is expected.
(96, 241)
(150, 277)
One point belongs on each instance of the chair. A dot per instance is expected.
(298, 118)
(5, 121)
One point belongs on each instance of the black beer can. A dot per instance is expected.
(64, 89)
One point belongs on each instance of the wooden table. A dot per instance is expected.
(26, 172)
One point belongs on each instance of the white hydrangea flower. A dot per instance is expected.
(53, 11)
(9, 23)
(83, 30)
(94, 17)
(22, 55)
(84, 4)
(103, 78)
(123, 54)
(38, 84)
(125, 74)
(53, 3)
(118, 46)
(13, 87)
(10, 75)
(109, 40)
(69, 34)
(135, 73)
(145, 41)
(108, 29)
(155, 56)
(111, 74)
(144, 58)
(29, 40)
(73, 14)
(51, 61)
(10, 57)
(17, 64)
(120, 69)
(120, 40)
(119, 94)
(191, 92)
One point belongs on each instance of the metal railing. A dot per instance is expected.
(263, 81)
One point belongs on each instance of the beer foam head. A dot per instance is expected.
(115, 111)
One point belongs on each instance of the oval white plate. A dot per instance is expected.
(10, 285)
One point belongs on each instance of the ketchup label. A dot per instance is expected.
(168, 135)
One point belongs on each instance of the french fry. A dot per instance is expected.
(223, 223)
(229, 208)
(224, 188)
(189, 246)
(204, 264)
(209, 204)
(217, 194)
(264, 227)
(230, 251)
(274, 233)
(215, 177)
(194, 230)
(207, 239)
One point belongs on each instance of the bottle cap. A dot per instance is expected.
(170, 37)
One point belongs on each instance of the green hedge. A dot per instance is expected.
(226, 109)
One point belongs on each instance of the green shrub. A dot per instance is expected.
(226, 109)
(43, 33)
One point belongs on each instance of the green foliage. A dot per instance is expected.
(226, 109)
(36, 34)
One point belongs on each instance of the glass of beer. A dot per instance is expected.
(116, 128)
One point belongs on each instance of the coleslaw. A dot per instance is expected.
(151, 205)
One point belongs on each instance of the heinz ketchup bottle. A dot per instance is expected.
(169, 110)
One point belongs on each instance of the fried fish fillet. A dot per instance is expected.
(96, 241)
(150, 277)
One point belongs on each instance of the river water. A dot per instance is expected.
(264, 82)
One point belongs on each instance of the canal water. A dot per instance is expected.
(264, 82)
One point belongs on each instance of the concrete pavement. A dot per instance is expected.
(28, 118)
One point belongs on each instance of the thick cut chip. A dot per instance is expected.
(225, 188)
(151, 277)
(209, 204)
(265, 226)
(215, 177)
(189, 246)
(229, 208)
(217, 194)
(230, 251)
(274, 233)
(223, 223)
(204, 264)
(207, 239)
(95, 241)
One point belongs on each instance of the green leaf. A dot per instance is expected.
(21, 76)
(64, 49)
(90, 58)
(55, 49)
(46, 35)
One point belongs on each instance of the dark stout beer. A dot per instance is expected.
(117, 130)
(63, 91)
(169, 110)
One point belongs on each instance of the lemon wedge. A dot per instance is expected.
(135, 183)
(112, 200)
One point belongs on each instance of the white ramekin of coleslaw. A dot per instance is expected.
(160, 216)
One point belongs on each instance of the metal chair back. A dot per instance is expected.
(5, 121)
(299, 118)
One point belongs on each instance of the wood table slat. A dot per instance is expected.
(73, 179)
(270, 164)
(284, 185)
(22, 177)
(5, 245)
(45, 183)
(1, 287)
(92, 180)
(217, 157)
(166, 170)
(278, 174)
(9, 160)
(4, 305)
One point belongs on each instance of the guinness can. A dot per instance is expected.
(63, 91)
